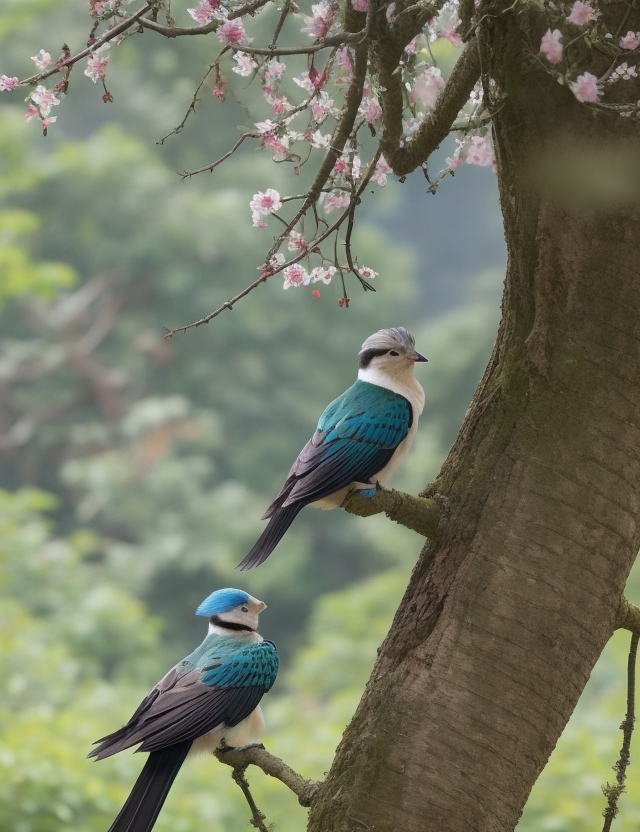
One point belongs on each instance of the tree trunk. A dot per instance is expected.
(510, 606)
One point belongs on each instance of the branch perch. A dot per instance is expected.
(306, 790)
(628, 617)
(417, 513)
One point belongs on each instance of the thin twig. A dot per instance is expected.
(180, 31)
(259, 817)
(187, 174)
(612, 793)
(257, 755)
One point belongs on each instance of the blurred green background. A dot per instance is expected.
(134, 470)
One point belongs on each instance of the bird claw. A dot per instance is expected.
(368, 493)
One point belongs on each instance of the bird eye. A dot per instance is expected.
(244, 609)
(393, 352)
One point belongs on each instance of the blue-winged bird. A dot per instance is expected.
(208, 699)
(361, 438)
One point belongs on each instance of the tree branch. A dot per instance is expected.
(306, 790)
(118, 29)
(406, 157)
(258, 817)
(417, 513)
(612, 793)
(628, 617)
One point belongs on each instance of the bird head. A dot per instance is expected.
(392, 351)
(233, 608)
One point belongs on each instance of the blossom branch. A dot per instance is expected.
(188, 174)
(434, 129)
(118, 29)
(257, 755)
(207, 28)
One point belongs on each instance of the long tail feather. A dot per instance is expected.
(270, 537)
(143, 805)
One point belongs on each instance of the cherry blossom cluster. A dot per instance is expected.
(582, 20)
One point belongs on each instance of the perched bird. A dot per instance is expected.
(210, 696)
(361, 438)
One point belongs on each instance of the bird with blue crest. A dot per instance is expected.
(360, 441)
(208, 700)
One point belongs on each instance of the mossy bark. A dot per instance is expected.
(510, 605)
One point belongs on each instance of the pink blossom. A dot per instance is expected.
(323, 106)
(32, 112)
(44, 99)
(340, 165)
(479, 152)
(551, 47)
(274, 70)
(276, 261)
(451, 35)
(320, 22)
(280, 105)
(391, 8)
(96, 67)
(7, 84)
(203, 12)
(624, 72)
(232, 32)
(367, 273)
(344, 64)
(371, 111)
(296, 242)
(42, 59)
(383, 169)
(410, 48)
(582, 13)
(294, 276)
(244, 64)
(263, 204)
(585, 87)
(317, 139)
(278, 145)
(335, 200)
(360, 5)
(427, 86)
(47, 122)
(316, 293)
(323, 274)
(630, 41)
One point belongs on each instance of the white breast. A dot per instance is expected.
(405, 385)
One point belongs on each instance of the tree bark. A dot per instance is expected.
(510, 606)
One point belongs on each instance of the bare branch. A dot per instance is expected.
(258, 817)
(434, 129)
(187, 174)
(306, 790)
(612, 793)
(420, 514)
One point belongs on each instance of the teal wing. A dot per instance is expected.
(356, 437)
(220, 683)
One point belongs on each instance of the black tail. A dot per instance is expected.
(143, 805)
(280, 521)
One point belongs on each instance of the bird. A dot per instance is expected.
(361, 438)
(208, 700)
